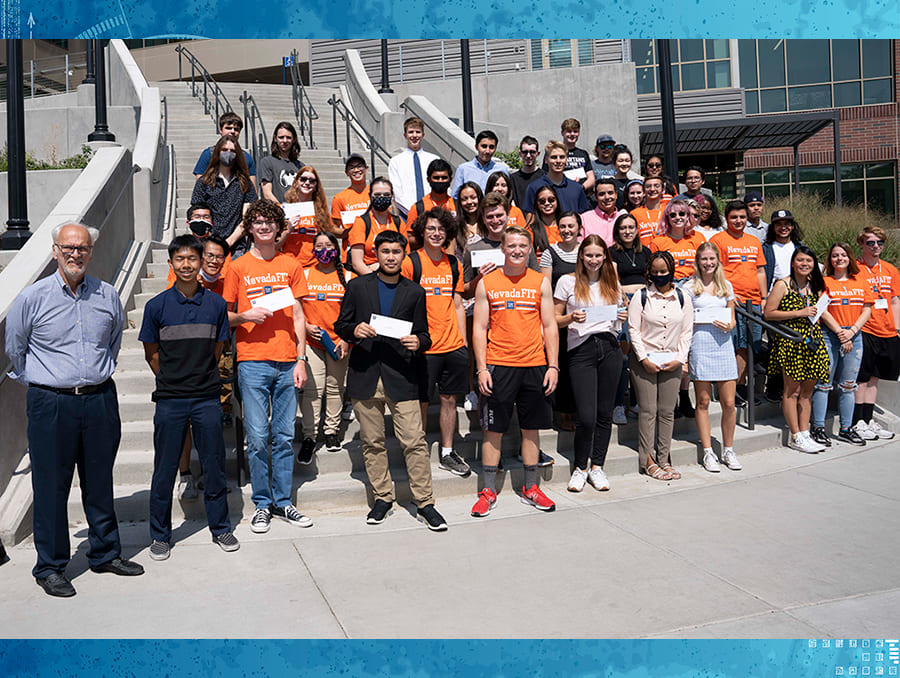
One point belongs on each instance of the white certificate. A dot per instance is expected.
(706, 316)
(660, 358)
(881, 304)
(386, 326)
(349, 216)
(575, 174)
(482, 257)
(599, 314)
(274, 301)
(299, 209)
(821, 305)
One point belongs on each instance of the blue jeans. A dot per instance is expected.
(266, 383)
(742, 335)
(842, 369)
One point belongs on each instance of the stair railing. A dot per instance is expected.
(303, 108)
(214, 99)
(353, 124)
(254, 129)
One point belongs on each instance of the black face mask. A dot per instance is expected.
(200, 228)
(661, 280)
(439, 186)
(380, 203)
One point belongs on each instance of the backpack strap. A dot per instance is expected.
(454, 271)
(416, 265)
(677, 291)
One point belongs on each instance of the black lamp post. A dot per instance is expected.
(466, 69)
(667, 104)
(385, 74)
(89, 63)
(101, 129)
(17, 225)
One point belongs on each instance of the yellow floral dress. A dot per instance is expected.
(799, 361)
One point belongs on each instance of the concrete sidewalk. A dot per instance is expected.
(794, 546)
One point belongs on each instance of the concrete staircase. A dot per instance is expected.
(190, 131)
(337, 481)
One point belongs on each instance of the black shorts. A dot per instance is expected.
(450, 371)
(522, 387)
(881, 358)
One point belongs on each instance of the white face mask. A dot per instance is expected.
(208, 278)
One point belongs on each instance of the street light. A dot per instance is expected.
(101, 129)
(17, 225)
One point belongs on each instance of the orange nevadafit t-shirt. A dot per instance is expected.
(322, 302)
(429, 204)
(884, 281)
(358, 235)
(347, 200)
(515, 333)
(848, 298)
(516, 217)
(683, 252)
(437, 281)
(740, 258)
(648, 223)
(300, 240)
(250, 278)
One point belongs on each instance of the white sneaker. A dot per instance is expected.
(187, 491)
(619, 417)
(880, 432)
(597, 478)
(864, 431)
(710, 463)
(803, 443)
(729, 458)
(470, 404)
(577, 481)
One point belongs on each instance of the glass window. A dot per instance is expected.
(880, 169)
(718, 74)
(853, 192)
(771, 64)
(537, 61)
(880, 195)
(876, 58)
(772, 101)
(691, 50)
(807, 62)
(877, 91)
(851, 172)
(754, 177)
(751, 101)
(824, 191)
(817, 174)
(845, 59)
(747, 59)
(692, 76)
(642, 52)
(560, 53)
(805, 98)
(847, 94)
(777, 176)
(585, 52)
(778, 191)
(717, 49)
(646, 80)
(676, 81)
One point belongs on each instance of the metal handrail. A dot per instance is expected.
(352, 123)
(209, 83)
(303, 108)
(165, 140)
(781, 330)
(254, 143)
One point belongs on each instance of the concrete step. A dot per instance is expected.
(152, 285)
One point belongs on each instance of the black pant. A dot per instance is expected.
(594, 367)
(65, 432)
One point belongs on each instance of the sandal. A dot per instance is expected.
(654, 471)
(673, 474)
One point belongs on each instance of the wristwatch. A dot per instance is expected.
(303, 358)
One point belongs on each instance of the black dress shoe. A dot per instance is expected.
(56, 584)
(120, 566)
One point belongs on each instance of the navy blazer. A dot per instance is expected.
(400, 370)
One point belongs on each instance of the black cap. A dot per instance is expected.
(351, 158)
(753, 196)
(782, 214)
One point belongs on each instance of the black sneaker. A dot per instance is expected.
(227, 542)
(454, 463)
(685, 408)
(160, 550)
(332, 443)
(848, 435)
(379, 512)
(292, 515)
(305, 455)
(544, 459)
(432, 519)
(820, 436)
(260, 521)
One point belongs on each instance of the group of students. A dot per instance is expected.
(532, 307)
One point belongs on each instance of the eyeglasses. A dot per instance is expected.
(654, 165)
(523, 152)
(262, 222)
(678, 214)
(546, 201)
(381, 195)
(875, 243)
(214, 258)
(357, 168)
(435, 229)
(692, 179)
(69, 250)
(308, 180)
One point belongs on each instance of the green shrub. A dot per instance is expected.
(79, 161)
(511, 158)
(824, 224)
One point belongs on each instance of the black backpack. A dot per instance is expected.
(677, 291)
(417, 268)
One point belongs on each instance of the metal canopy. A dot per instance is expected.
(739, 134)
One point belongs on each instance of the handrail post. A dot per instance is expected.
(347, 120)
(333, 103)
(372, 153)
(751, 376)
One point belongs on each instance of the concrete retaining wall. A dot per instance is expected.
(43, 189)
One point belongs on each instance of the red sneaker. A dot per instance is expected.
(486, 500)
(536, 498)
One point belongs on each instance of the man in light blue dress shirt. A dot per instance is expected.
(63, 336)
(483, 165)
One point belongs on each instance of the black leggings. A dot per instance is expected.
(594, 368)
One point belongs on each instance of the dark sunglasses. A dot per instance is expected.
(875, 243)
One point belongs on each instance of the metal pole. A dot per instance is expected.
(67, 72)
(31, 62)
(751, 375)
(89, 72)
(797, 168)
(101, 129)
(667, 105)
(443, 63)
(17, 232)
(466, 66)
(484, 42)
(836, 126)
(385, 76)
(333, 103)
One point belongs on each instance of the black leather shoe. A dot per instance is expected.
(121, 567)
(57, 585)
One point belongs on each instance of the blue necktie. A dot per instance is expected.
(417, 168)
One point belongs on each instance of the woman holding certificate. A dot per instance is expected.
(306, 210)
(660, 323)
(712, 353)
(793, 301)
(587, 303)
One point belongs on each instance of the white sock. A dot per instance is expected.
(445, 451)
(708, 450)
(728, 449)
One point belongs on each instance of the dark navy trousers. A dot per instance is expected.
(66, 432)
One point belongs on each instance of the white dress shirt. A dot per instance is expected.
(403, 178)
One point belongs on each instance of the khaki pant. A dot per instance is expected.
(409, 431)
(656, 396)
(326, 378)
